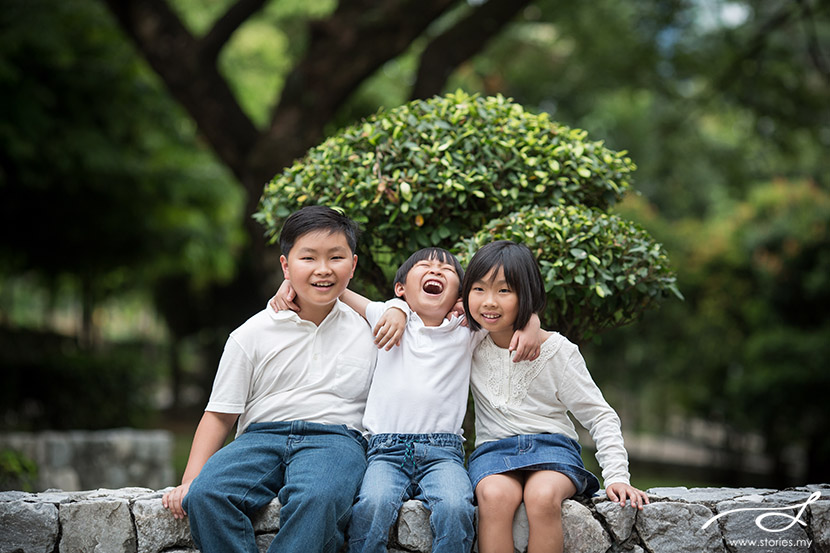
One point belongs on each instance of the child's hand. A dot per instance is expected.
(458, 311)
(173, 500)
(527, 342)
(619, 492)
(284, 298)
(390, 328)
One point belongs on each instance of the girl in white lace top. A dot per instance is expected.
(526, 448)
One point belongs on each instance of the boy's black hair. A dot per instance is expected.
(317, 218)
(520, 271)
(428, 253)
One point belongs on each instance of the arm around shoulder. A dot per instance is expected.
(527, 341)
(355, 301)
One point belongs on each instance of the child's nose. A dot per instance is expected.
(323, 268)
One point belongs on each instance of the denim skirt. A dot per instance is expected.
(533, 452)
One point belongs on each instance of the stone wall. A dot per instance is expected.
(91, 459)
(678, 520)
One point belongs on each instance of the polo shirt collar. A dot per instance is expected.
(291, 316)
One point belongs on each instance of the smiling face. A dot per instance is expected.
(319, 266)
(494, 306)
(431, 289)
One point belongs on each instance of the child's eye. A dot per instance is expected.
(505, 291)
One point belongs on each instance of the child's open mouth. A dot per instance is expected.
(433, 287)
(322, 284)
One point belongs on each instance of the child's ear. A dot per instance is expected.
(399, 289)
(284, 265)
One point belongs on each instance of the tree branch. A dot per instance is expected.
(813, 43)
(195, 82)
(460, 42)
(212, 43)
(344, 49)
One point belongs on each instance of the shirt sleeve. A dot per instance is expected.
(376, 309)
(233, 380)
(584, 399)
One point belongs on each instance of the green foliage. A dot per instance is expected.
(102, 176)
(748, 347)
(432, 172)
(50, 383)
(17, 472)
(440, 171)
(600, 270)
(709, 97)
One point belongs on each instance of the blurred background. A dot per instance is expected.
(136, 137)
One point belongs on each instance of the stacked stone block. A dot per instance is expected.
(89, 459)
(132, 520)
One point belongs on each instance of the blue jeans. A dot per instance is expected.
(428, 467)
(314, 470)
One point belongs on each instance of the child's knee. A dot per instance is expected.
(454, 506)
(547, 498)
(495, 494)
(376, 498)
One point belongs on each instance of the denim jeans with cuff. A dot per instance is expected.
(427, 467)
(313, 469)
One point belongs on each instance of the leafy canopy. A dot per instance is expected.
(600, 271)
(435, 172)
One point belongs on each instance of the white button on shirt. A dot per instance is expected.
(278, 367)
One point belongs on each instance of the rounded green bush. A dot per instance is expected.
(600, 271)
(439, 171)
(431, 172)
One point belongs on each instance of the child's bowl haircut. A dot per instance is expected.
(423, 254)
(317, 218)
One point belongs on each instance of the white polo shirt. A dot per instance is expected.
(277, 367)
(421, 386)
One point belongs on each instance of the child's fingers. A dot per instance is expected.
(395, 339)
(172, 501)
(526, 353)
(514, 343)
(386, 335)
(379, 333)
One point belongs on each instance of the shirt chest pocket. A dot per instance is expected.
(352, 376)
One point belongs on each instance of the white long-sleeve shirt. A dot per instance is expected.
(533, 397)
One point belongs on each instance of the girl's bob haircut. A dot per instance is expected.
(520, 271)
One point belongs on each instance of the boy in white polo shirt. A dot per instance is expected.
(296, 384)
(416, 407)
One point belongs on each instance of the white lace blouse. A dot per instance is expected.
(533, 397)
